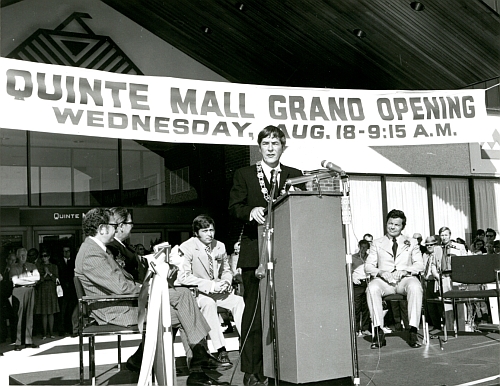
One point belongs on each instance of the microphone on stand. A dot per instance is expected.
(331, 166)
(307, 178)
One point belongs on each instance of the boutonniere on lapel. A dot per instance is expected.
(120, 259)
(406, 244)
(218, 259)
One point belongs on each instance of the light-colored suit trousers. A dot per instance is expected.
(208, 307)
(409, 286)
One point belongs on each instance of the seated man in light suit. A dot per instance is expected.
(393, 262)
(205, 263)
(100, 274)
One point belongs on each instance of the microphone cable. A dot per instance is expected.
(248, 332)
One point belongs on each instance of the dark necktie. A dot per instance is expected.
(445, 265)
(427, 266)
(394, 247)
(274, 174)
(210, 263)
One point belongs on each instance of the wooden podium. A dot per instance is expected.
(310, 281)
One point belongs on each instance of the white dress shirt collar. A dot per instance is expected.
(99, 242)
(119, 241)
(266, 169)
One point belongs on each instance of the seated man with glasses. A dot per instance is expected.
(100, 274)
(123, 253)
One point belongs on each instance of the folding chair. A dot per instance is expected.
(88, 329)
(475, 269)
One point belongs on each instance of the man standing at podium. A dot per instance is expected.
(394, 262)
(248, 199)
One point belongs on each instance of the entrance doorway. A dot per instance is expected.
(55, 241)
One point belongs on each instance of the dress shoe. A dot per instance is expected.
(135, 360)
(32, 345)
(413, 341)
(18, 347)
(213, 363)
(378, 340)
(199, 378)
(132, 365)
(223, 358)
(254, 380)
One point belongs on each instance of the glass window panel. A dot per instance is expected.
(97, 173)
(50, 174)
(66, 165)
(409, 194)
(54, 242)
(56, 186)
(13, 168)
(143, 175)
(366, 208)
(450, 197)
(487, 195)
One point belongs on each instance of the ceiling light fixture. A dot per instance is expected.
(207, 30)
(417, 6)
(241, 6)
(359, 33)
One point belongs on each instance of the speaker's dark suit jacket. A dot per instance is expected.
(245, 195)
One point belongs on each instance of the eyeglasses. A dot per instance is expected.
(114, 225)
(127, 222)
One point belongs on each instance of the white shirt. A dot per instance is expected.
(99, 242)
(266, 169)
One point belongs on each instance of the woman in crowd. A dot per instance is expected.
(478, 247)
(46, 296)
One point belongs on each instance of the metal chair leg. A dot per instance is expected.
(425, 329)
(455, 317)
(119, 352)
(80, 350)
(92, 359)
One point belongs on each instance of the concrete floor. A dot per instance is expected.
(470, 359)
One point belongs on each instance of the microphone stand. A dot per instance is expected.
(346, 220)
(260, 272)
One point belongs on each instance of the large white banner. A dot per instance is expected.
(70, 100)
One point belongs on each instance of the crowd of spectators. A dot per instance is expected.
(30, 304)
(29, 279)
